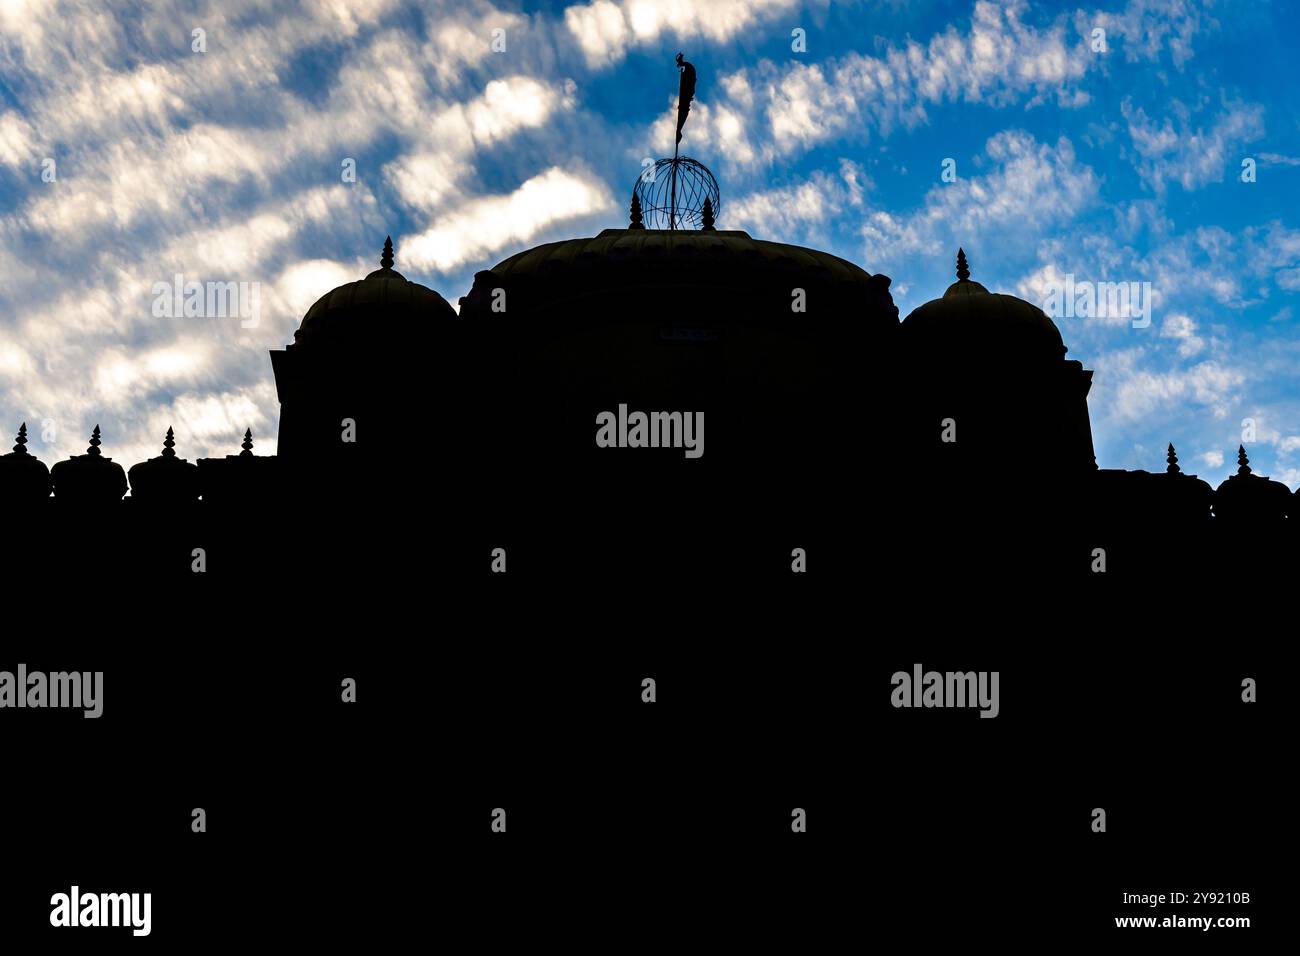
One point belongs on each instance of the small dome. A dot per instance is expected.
(1246, 497)
(342, 313)
(89, 477)
(969, 320)
(166, 477)
(23, 477)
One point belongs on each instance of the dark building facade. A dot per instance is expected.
(931, 480)
(817, 409)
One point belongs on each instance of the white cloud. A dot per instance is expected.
(1288, 476)
(1033, 187)
(508, 105)
(997, 60)
(795, 213)
(72, 57)
(303, 282)
(1191, 156)
(1182, 328)
(434, 173)
(717, 129)
(601, 29)
(605, 29)
(485, 225)
(122, 377)
(1036, 286)
(792, 106)
(1146, 27)
(1130, 388)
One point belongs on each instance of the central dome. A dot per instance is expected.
(714, 248)
(725, 273)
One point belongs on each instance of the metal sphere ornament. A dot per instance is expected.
(672, 194)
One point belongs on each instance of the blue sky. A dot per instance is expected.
(225, 165)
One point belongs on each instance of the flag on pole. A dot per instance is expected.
(685, 94)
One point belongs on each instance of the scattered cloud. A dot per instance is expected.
(800, 212)
(1031, 188)
(606, 29)
(1182, 328)
(1190, 155)
(491, 223)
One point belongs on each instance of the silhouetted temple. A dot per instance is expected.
(962, 429)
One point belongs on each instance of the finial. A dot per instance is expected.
(637, 221)
(22, 440)
(94, 443)
(247, 444)
(169, 444)
(1172, 458)
(963, 271)
(1243, 463)
(387, 260)
(706, 215)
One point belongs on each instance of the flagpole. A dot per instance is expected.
(685, 93)
(672, 210)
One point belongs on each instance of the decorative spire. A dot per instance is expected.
(247, 444)
(1243, 463)
(169, 444)
(387, 261)
(22, 440)
(1172, 458)
(637, 222)
(963, 271)
(706, 215)
(94, 443)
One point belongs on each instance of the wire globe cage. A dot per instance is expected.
(672, 194)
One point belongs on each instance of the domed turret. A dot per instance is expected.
(969, 322)
(365, 358)
(384, 303)
(166, 477)
(90, 477)
(1249, 499)
(23, 477)
(979, 368)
